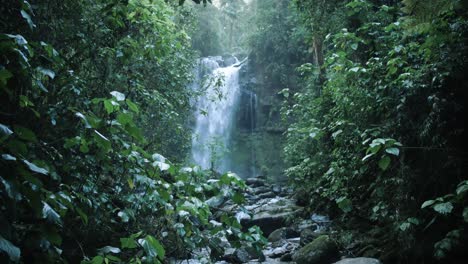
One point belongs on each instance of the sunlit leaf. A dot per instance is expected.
(11, 250)
(118, 95)
(33, 167)
(109, 249)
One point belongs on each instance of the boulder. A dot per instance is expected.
(282, 233)
(320, 251)
(358, 261)
(255, 182)
(239, 255)
(277, 235)
(266, 195)
(308, 235)
(286, 257)
(260, 190)
(276, 189)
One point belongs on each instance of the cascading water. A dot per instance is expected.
(215, 112)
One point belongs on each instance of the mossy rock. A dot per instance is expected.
(320, 251)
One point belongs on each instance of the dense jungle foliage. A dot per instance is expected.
(92, 91)
(96, 112)
(377, 127)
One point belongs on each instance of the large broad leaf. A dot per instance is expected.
(34, 168)
(444, 208)
(4, 76)
(152, 247)
(28, 19)
(427, 203)
(102, 141)
(10, 189)
(11, 250)
(25, 134)
(132, 106)
(463, 187)
(109, 249)
(5, 131)
(393, 151)
(384, 162)
(118, 95)
(344, 204)
(46, 72)
(50, 214)
(84, 119)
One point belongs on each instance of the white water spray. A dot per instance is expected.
(215, 113)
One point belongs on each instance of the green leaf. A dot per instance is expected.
(11, 250)
(4, 76)
(367, 156)
(28, 19)
(132, 106)
(109, 106)
(124, 118)
(118, 95)
(25, 134)
(238, 198)
(46, 72)
(83, 216)
(5, 131)
(102, 141)
(50, 214)
(427, 203)
(344, 204)
(109, 249)
(97, 260)
(34, 168)
(462, 188)
(10, 190)
(152, 247)
(465, 214)
(128, 242)
(393, 151)
(405, 226)
(374, 148)
(384, 163)
(124, 216)
(444, 208)
(83, 118)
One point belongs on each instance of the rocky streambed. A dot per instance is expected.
(291, 238)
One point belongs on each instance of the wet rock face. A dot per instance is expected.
(270, 211)
(320, 251)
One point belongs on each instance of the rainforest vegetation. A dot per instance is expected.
(360, 117)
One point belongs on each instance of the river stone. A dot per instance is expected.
(359, 261)
(282, 233)
(320, 251)
(308, 235)
(267, 222)
(276, 189)
(255, 182)
(260, 190)
(239, 255)
(266, 195)
(286, 257)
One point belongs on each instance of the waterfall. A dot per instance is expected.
(253, 120)
(215, 112)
